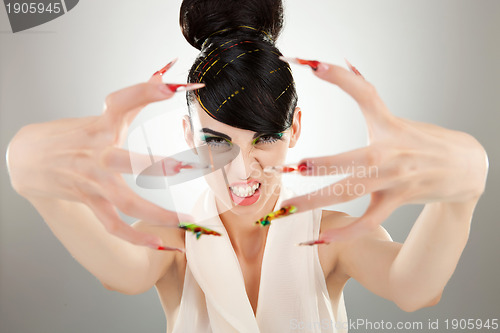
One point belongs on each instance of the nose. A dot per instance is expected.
(244, 165)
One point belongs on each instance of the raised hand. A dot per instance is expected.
(405, 162)
(81, 160)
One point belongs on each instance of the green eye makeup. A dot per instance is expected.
(267, 138)
(215, 141)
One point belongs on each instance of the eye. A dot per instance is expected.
(217, 142)
(268, 138)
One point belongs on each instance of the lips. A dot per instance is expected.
(245, 194)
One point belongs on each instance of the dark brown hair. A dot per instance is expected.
(247, 85)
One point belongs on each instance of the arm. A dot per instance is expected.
(119, 265)
(412, 274)
(430, 254)
(70, 170)
(412, 162)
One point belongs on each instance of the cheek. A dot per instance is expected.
(274, 155)
(217, 183)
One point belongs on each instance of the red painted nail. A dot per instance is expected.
(313, 242)
(287, 169)
(174, 87)
(302, 167)
(166, 68)
(311, 63)
(168, 248)
(352, 68)
(182, 165)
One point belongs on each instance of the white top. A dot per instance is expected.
(292, 296)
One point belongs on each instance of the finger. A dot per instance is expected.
(356, 86)
(136, 96)
(352, 84)
(362, 163)
(124, 161)
(112, 222)
(347, 189)
(132, 99)
(378, 211)
(130, 203)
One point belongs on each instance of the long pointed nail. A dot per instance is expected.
(284, 211)
(313, 242)
(197, 229)
(166, 68)
(189, 166)
(184, 87)
(311, 63)
(166, 248)
(352, 68)
(302, 167)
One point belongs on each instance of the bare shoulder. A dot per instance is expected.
(170, 236)
(330, 254)
(163, 262)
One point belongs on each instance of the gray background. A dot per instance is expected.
(433, 61)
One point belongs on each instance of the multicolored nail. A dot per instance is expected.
(282, 212)
(166, 68)
(352, 68)
(313, 242)
(183, 86)
(197, 230)
(311, 63)
(302, 167)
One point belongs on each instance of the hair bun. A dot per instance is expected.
(200, 19)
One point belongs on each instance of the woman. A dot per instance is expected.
(416, 163)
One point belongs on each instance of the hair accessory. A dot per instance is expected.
(284, 211)
(238, 27)
(232, 95)
(203, 106)
(199, 79)
(227, 63)
(215, 56)
(276, 70)
(197, 230)
(284, 90)
(201, 62)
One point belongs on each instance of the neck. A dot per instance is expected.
(248, 239)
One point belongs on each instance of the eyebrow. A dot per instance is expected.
(225, 136)
(210, 131)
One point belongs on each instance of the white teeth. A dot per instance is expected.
(244, 191)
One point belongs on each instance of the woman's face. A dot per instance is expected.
(238, 158)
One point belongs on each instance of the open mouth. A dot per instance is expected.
(245, 194)
(244, 191)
